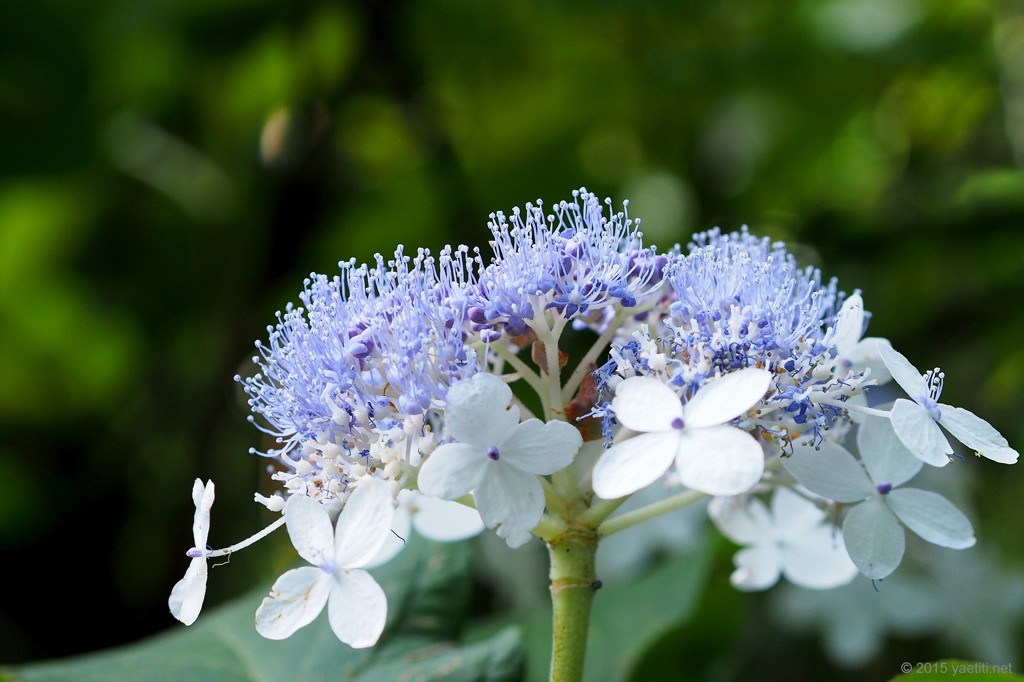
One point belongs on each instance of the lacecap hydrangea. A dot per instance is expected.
(398, 396)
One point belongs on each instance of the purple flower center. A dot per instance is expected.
(195, 553)
(677, 423)
(492, 452)
(884, 488)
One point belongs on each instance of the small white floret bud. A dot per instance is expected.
(274, 503)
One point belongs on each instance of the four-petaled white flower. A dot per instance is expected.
(871, 532)
(356, 606)
(916, 423)
(792, 540)
(852, 352)
(710, 456)
(186, 600)
(496, 457)
(433, 518)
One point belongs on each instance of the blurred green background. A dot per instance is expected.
(170, 170)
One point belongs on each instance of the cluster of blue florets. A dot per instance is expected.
(377, 345)
(735, 301)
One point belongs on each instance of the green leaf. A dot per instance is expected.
(428, 590)
(625, 620)
(945, 670)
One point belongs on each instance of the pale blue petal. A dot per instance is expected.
(719, 460)
(645, 404)
(933, 517)
(510, 501)
(743, 520)
(452, 470)
(977, 434)
(874, 538)
(886, 457)
(364, 524)
(635, 463)
(865, 355)
(919, 432)
(831, 472)
(905, 374)
(478, 412)
(849, 325)
(541, 448)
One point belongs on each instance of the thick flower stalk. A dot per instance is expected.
(390, 397)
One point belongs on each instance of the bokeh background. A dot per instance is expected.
(170, 170)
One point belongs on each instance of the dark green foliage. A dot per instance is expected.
(426, 585)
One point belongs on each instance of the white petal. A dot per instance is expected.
(795, 516)
(197, 493)
(849, 325)
(645, 404)
(452, 470)
(933, 517)
(866, 355)
(830, 471)
(635, 463)
(818, 561)
(296, 598)
(358, 608)
(977, 434)
(905, 374)
(364, 525)
(443, 521)
(201, 522)
(186, 600)
(478, 411)
(886, 457)
(510, 501)
(874, 538)
(541, 448)
(743, 522)
(401, 526)
(757, 568)
(919, 432)
(309, 527)
(726, 397)
(719, 460)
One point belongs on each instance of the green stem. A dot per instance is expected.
(576, 378)
(599, 511)
(525, 373)
(550, 338)
(572, 591)
(649, 512)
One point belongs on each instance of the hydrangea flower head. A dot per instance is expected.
(389, 386)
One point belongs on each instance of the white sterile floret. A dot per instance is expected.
(186, 600)
(853, 353)
(709, 455)
(793, 539)
(496, 457)
(274, 503)
(356, 606)
(873, 536)
(433, 518)
(916, 423)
